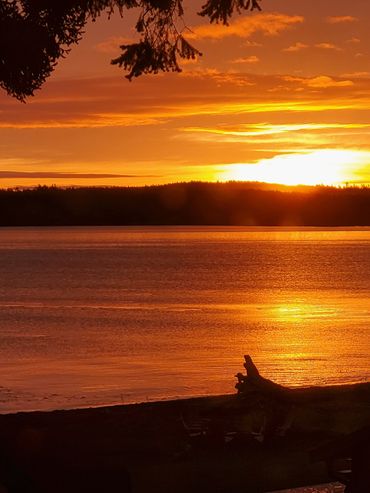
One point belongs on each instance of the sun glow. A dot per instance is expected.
(319, 167)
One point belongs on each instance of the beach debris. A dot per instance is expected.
(263, 409)
(274, 400)
(253, 381)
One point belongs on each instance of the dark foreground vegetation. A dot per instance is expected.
(197, 203)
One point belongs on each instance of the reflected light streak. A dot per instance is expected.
(302, 332)
(298, 310)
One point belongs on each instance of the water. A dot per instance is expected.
(93, 316)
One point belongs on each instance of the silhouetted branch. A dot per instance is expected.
(35, 34)
(222, 10)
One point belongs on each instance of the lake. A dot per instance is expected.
(106, 315)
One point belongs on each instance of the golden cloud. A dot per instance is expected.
(324, 81)
(58, 174)
(109, 102)
(357, 75)
(112, 44)
(294, 134)
(327, 46)
(354, 40)
(340, 19)
(248, 59)
(267, 24)
(296, 47)
(318, 82)
(221, 78)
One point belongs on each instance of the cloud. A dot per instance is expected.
(357, 75)
(114, 102)
(189, 61)
(220, 78)
(112, 44)
(324, 81)
(266, 132)
(248, 59)
(89, 120)
(244, 27)
(251, 44)
(56, 174)
(341, 19)
(301, 46)
(296, 47)
(319, 82)
(353, 40)
(327, 46)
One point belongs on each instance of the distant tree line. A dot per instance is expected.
(196, 203)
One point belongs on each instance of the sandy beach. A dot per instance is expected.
(148, 446)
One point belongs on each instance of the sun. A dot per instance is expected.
(319, 167)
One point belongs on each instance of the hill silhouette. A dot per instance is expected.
(195, 203)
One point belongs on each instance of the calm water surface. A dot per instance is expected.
(92, 316)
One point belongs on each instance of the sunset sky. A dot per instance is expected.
(278, 96)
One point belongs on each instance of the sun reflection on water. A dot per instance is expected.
(311, 335)
(299, 309)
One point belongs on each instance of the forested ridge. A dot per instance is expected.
(196, 203)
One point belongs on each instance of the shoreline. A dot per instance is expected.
(149, 442)
(298, 389)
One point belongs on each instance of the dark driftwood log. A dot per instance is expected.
(275, 400)
(254, 382)
(355, 445)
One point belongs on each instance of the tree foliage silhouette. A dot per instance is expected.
(35, 34)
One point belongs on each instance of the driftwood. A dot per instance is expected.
(275, 401)
(347, 457)
(262, 409)
(254, 382)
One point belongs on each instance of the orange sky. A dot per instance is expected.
(279, 96)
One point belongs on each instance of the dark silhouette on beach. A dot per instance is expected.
(274, 399)
(35, 461)
(352, 449)
(355, 446)
(105, 449)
